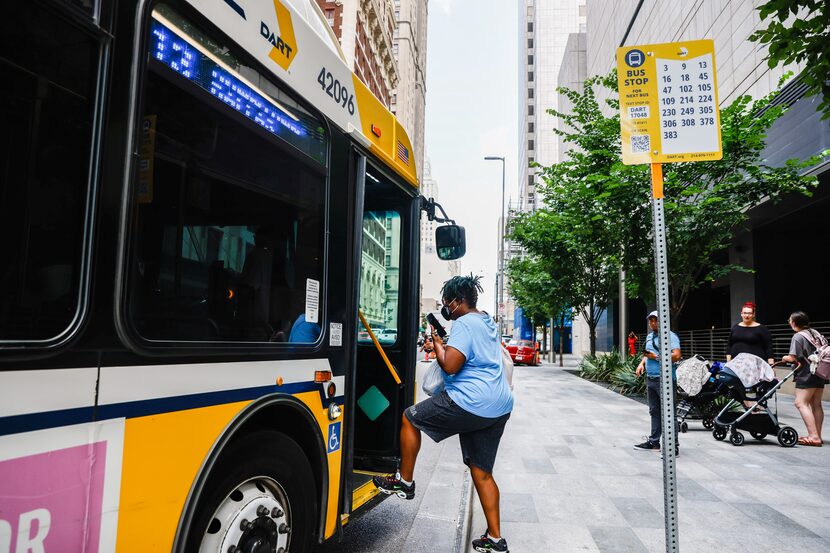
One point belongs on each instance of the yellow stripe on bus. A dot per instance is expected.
(364, 493)
(384, 142)
(312, 399)
(162, 457)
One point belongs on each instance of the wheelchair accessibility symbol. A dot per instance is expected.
(334, 437)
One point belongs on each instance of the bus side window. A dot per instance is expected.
(234, 225)
(49, 70)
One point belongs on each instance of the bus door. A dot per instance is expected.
(388, 298)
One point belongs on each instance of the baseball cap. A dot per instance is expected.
(653, 314)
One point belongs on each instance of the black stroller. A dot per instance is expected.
(700, 407)
(760, 420)
(701, 404)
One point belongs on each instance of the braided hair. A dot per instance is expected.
(463, 288)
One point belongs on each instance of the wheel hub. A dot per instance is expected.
(253, 518)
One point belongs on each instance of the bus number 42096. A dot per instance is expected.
(336, 90)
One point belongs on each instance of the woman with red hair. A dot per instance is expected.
(749, 336)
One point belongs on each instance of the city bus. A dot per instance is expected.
(206, 218)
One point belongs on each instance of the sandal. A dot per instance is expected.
(804, 440)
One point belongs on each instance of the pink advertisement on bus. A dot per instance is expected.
(55, 500)
(47, 499)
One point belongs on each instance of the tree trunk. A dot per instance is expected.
(593, 339)
(544, 338)
(561, 344)
(593, 320)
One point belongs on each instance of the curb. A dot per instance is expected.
(465, 515)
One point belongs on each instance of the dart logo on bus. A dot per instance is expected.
(284, 45)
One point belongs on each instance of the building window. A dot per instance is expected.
(530, 109)
(530, 180)
(530, 26)
(583, 11)
(330, 17)
(530, 43)
(529, 144)
(530, 59)
(530, 127)
(530, 76)
(530, 93)
(379, 285)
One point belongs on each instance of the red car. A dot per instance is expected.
(523, 352)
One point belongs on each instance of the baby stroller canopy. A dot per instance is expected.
(750, 369)
(692, 374)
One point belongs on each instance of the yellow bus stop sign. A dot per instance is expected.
(669, 102)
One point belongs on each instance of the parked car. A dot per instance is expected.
(523, 352)
(388, 335)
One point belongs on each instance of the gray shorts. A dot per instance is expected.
(439, 418)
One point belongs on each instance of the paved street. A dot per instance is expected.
(571, 481)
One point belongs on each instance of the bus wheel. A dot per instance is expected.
(260, 497)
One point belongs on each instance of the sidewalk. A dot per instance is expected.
(571, 481)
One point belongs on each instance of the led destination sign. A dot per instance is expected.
(183, 57)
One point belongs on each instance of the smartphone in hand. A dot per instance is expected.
(439, 330)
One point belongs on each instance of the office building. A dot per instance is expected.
(775, 234)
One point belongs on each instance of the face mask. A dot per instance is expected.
(446, 313)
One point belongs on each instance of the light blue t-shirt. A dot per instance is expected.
(653, 346)
(480, 387)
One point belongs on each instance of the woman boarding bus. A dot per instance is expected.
(197, 198)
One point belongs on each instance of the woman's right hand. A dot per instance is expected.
(436, 340)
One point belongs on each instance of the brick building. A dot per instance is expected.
(365, 29)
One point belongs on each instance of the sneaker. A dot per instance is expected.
(648, 445)
(392, 485)
(486, 545)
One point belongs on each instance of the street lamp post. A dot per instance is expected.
(501, 245)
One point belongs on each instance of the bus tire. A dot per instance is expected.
(261, 490)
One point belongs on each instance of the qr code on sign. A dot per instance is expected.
(640, 143)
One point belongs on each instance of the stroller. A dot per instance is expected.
(697, 391)
(760, 420)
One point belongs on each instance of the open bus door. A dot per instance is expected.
(382, 382)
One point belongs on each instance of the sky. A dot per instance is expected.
(472, 112)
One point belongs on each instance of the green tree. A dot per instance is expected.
(529, 287)
(806, 40)
(578, 244)
(596, 215)
(539, 292)
(706, 202)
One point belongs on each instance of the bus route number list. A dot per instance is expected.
(687, 104)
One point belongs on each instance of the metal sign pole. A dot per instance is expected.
(666, 380)
(654, 80)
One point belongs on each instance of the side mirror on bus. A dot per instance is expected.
(450, 242)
